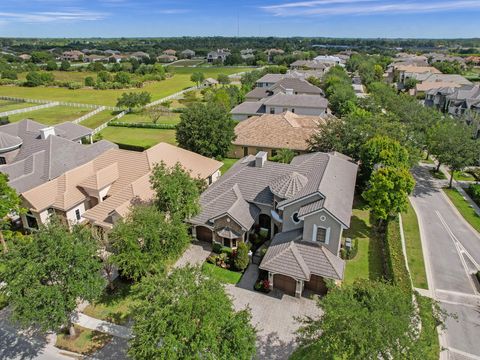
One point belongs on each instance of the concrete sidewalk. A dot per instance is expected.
(103, 326)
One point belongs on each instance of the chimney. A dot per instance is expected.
(260, 159)
(46, 132)
(289, 91)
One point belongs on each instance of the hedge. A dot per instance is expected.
(142, 125)
(396, 270)
(132, 147)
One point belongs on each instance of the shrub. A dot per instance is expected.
(396, 270)
(474, 192)
(212, 259)
(226, 250)
(4, 120)
(132, 147)
(217, 247)
(241, 259)
(475, 172)
(89, 81)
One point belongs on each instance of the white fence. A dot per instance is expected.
(105, 124)
(64, 103)
(89, 115)
(28, 109)
(173, 96)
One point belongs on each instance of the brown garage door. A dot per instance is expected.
(316, 284)
(284, 283)
(204, 234)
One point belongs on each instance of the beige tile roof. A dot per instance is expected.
(417, 69)
(281, 131)
(126, 172)
(429, 85)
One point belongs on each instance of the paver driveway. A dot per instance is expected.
(274, 315)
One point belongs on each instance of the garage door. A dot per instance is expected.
(284, 283)
(316, 284)
(204, 233)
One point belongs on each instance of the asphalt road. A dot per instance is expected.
(452, 252)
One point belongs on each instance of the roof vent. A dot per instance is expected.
(289, 91)
(46, 132)
(260, 159)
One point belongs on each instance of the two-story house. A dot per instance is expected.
(304, 205)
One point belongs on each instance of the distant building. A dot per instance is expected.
(73, 55)
(218, 56)
(187, 54)
(25, 57)
(169, 52)
(166, 58)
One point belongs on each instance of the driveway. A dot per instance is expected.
(451, 247)
(274, 315)
(196, 254)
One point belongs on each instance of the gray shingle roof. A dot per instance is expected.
(301, 100)
(286, 186)
(289, 256)
(40, 160)
(298, 85)
(328, 174)
(9, 142)
(249, 108)
(271, 78)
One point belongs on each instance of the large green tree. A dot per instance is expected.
(188, 316)
(452, 144)
(206, 129)
(366, 320)
(387, 191)
(10, 204)
(132, 100)
(176, 192)
(145, 240)
(47, 273)
(197, 77)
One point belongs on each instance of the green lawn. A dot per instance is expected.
(227, 164)
(98, 119)
(463, 206)
(85, 342)
(138, 137)
(429, 335)
(222, 275)
(169, 118)
(158, 89)
(463, 176)
(52, 115)
(367, 264)
(414, 248)
(113, 307)
(187, 62)
(6, 105)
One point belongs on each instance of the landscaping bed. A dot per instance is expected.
(85, 342)
(113, 306)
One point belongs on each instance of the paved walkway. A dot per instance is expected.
(103, 326)
(451, 252)
(196, 254)
(274, 315)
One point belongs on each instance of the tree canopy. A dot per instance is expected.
(47, 273)
(10, 204)
(132, 99)
(206, 129)
(188, 316)
(145, 240)
(366, 320)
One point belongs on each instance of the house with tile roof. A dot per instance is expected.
(32, 153)
(101, 191)
(271, 133)
(287, 85)
(304, 206)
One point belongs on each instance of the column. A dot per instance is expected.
(270, 280)
(298, 288)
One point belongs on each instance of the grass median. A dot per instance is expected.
(463, 207)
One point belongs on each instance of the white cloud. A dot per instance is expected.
(366, 7)
(52, 16)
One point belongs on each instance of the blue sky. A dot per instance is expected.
(334, 18)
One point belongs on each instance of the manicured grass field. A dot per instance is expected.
(367, 264)
(222, 275)
(6, 105)
(187, 62)
(138, 137)
(463, 176)
(98, 119)
(85, 342)
(52, 115)
(463, 206)
(414, 248)
(227, 164)
(157, 89)
(170, 118)
(113, 307)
